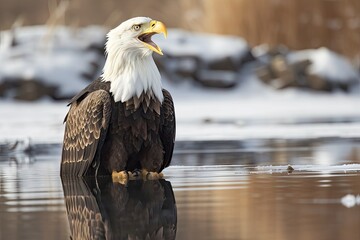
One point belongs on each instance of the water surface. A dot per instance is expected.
(213, 190)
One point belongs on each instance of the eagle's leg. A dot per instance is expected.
(116, 162)
(151, 161)
(120, 177)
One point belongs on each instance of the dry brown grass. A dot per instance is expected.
(298, 24)
(85, 12)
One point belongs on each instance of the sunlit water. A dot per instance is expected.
(213, 190)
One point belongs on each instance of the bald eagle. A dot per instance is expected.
(123, 123)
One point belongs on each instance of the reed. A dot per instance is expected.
(299, 24)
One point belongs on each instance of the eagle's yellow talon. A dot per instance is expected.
(120, 177)
(151, 175)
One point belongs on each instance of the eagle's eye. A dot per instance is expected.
(136, 27)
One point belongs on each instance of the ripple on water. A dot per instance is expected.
(246, 194)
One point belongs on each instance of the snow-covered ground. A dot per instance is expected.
(56, 56)
(213, 115)
(251, 110)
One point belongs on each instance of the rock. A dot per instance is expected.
(186, 67)
(278, 50)
(280, 74)
(316, 82)
(301, 66)
(226, 63)
(290, 169)
(283, 72)
(97, 47)
(244, 59)
(277, 73)
(265, 74)
(5, 88)
(181, 66)
(31, 90)
(216, 78)
(231, 63)
(343, 86)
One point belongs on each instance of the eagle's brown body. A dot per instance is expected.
(123, 121)
(103, 136)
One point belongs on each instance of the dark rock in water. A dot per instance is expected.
(290, 169)
(216, 79)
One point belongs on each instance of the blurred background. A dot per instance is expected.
(299, 60)
(260, 63)
(296, 24)
(254, 82)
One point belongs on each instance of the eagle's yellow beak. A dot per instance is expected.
(155, 27)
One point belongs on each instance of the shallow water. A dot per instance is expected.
(213, 190)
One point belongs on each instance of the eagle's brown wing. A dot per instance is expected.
(83, 210)
(86, 126)
(167, 128)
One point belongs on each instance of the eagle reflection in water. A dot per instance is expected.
(101, 209)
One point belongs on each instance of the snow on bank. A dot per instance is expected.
(210, 115)
(250, 110)
(205, 46)
(41, 121)
(327, 64)
(57, 56)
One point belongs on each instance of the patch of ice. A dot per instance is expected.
(350, 200)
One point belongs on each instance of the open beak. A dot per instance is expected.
(155, 27)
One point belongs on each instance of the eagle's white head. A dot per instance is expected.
(129, 65)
